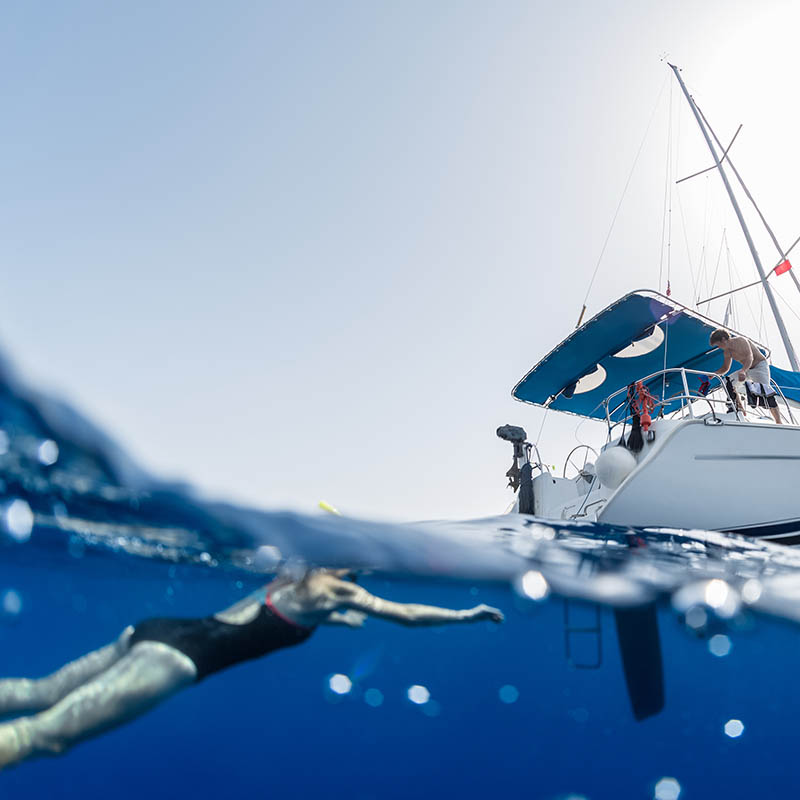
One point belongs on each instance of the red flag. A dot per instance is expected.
(669, 289)
(784, 266)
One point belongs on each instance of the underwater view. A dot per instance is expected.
(629, 663)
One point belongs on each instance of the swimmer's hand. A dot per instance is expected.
(485, 612)
(741, 375)
(351, 618)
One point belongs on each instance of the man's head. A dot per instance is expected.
(718, 337)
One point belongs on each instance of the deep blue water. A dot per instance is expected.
(273, 726)
(89, 544)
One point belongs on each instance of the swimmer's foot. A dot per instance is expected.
(15, 742)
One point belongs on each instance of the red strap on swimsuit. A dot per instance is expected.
(271, 606)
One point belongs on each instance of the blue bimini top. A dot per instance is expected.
(642, 333)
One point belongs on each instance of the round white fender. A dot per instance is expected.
(614, 465)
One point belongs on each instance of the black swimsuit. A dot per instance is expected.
(214, 645)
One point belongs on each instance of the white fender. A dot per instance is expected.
(614, 465)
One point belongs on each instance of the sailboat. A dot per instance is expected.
(682, 449)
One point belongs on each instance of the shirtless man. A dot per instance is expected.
(157, 657)
(754, 365)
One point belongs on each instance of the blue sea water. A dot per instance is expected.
(90, 544)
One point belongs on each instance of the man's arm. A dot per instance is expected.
(359, 599)
(726, 365)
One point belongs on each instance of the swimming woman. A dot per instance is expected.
(157, 657)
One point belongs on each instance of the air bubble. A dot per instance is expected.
(696, 618)
(734, 728)
(719, 645)
(266, 558)
(667, 789)
(373, 697)
(47, 452)
(340, 684)
(509, 693)
(534, 585)
(751, 591)
(11, 602)
(418, 694)
(18, 520)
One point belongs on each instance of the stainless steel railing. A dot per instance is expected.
(687, 398)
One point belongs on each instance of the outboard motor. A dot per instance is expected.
(520, 476)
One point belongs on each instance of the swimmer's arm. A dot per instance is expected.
(411, 614)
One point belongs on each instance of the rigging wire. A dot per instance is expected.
(667, 222)
(667, 212)
(732, 299)
(786, 303)
(746, 299)
(578, 428)
(719, 259)
(664, 369)
(622, 198)
(675, 167)
(686, 241)
(669, 236)
(541, 427)
(701, 269)
(713, 210)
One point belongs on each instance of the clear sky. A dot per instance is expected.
(304, 250)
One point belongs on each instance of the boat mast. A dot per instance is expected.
(767, 288)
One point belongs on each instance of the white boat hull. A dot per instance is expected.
(732, 476)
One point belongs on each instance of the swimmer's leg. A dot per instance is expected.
(149, 673)
(23, 695)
